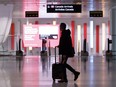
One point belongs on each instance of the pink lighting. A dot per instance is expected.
(30, 5)
(33, 35)
(30, 71)
(30, 35)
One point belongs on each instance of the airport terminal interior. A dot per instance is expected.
(30, 31)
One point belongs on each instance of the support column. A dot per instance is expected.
(113, 30)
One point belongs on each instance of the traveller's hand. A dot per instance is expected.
(57, 46)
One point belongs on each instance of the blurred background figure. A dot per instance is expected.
(44, 41)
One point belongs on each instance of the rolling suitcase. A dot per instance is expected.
(57, 69)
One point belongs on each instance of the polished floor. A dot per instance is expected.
(36, 71)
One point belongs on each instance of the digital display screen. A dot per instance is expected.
(48, 31)
(33, 35)
(30, 35)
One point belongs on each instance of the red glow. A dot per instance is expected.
(36, 22)
(12, 37)
(85, 31)
(108, 27)
(72, 29)
(97, 38)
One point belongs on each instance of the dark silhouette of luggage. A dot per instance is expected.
(57, 69)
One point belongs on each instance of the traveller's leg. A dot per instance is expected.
(76, 73)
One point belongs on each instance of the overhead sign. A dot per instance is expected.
(96, 13)
(63, 8)
(31, 13)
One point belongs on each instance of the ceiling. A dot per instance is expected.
(87, 5)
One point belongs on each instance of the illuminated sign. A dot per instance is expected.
(31, 13)
(30, 36)
(63, 8)
(33, 35)
(96, 13)
(48, 31)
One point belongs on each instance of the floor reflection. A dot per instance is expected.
(19, 61)
(36, 71)
(30, 72)
(84, 60)
(45, 66)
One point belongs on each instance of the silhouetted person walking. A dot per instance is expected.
(65, 49)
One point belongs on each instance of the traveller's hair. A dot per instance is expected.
(63, 25)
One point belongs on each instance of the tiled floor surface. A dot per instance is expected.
(35, 71)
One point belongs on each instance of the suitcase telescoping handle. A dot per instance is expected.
(55, 54)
